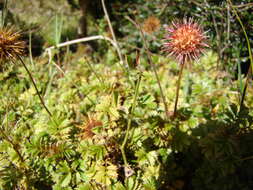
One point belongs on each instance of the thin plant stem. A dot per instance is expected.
(93, 70)
(245, 88)
(30, 48)
(249, 50)
(228, 23)
(112, 32)
(218, 41)
(178, 87)
(218, 34)
(4, 12)
(129, 121)
(14, 146)
(239, 75)
(160, 87)
(130, 117)
(137, 25)
(247, 158)
(35, 86)
(245, 34)
(136, 181)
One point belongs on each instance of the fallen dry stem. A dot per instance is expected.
(80, 40)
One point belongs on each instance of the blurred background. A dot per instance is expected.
(55, 21)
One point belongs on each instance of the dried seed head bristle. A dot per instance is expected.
(11, 46)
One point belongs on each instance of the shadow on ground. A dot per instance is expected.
(217, 155)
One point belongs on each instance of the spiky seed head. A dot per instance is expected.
(185, 40)
(11, 46)
(151, 24)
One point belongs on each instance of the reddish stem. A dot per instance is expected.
(178, 86)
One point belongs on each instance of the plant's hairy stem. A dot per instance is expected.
(35, 86)
(178, 87)
(130, 120)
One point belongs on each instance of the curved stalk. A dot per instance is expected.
(249, 50)
(122, 148)
(245, 88)
(35, 86)
(129, 121)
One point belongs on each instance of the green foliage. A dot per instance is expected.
(209, 143)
